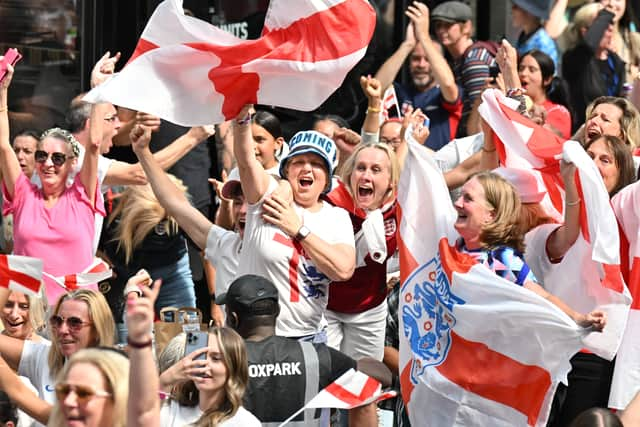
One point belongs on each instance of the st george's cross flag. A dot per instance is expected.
(596, 254)
(94, 273)
(350, 390)
(475, 349)
(626, 374)
(21, 273)
(192, 73)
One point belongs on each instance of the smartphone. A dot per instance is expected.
(11, 56)
(195, 341)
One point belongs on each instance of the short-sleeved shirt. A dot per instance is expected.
(504, 261)
(62, 236)
(367, 288)
(443, 116)
(278, 375)
(471, 72)
(173, 414)
(303, 289)
(34, 364)
(223, 252)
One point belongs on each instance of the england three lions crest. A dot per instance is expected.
(427, 315)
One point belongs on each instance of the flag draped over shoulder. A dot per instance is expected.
(190, 72)
(523, 144)
(475, 349)
(21, 273)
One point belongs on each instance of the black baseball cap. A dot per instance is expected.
(247, 290)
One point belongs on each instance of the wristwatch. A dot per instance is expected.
(302, 233)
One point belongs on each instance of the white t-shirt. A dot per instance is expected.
(25, 420)
(457, 151)
(173, 414)
(103, 167)
(269, 252)
(223, 252)
(34, 365)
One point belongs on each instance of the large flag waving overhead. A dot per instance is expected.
(190, 72)
(476, 350)
(523, 144)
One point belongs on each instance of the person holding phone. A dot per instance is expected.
(213, 394)
(591, 68)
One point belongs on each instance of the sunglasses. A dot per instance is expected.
(73, 323)
(57, 159)
(84, 393)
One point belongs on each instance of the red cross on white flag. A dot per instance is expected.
(190, 72)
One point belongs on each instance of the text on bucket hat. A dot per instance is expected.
(312, 142)
(231, 185)
(246, 290)
(452, 11)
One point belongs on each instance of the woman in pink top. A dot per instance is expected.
(55, 223)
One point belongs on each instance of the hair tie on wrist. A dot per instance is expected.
(575, 202)
(134, 344)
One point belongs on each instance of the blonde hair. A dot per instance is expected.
(102, 324)
(139, 212)
(114, 368)
(629, 121)
(503, 200)
(234, 354)
(583, 18)
(394, 167)
(36, 311)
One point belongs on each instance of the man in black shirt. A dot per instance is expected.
(285, 373)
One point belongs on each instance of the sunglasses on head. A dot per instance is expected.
(74, 323)
(57, 159)
(84, 393)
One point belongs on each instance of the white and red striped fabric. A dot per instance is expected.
(350, 390)
(475, 349)
(523, 144)
(626, 374)
(21, 273)
(389, 101)
(190, 72)
(96, 272)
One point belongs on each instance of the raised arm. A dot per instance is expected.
(442, 73)
(566, 235)
(8, 161)
(122, 173)
(89, 170)
(389, 70)
(23, 396)
(143, 408)
(373, 91)
(170, 197)
(253, 177)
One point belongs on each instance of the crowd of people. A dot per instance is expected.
(300, 259)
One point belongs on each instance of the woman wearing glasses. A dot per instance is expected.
(79, 320)
(92, 390)
(59, 217)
